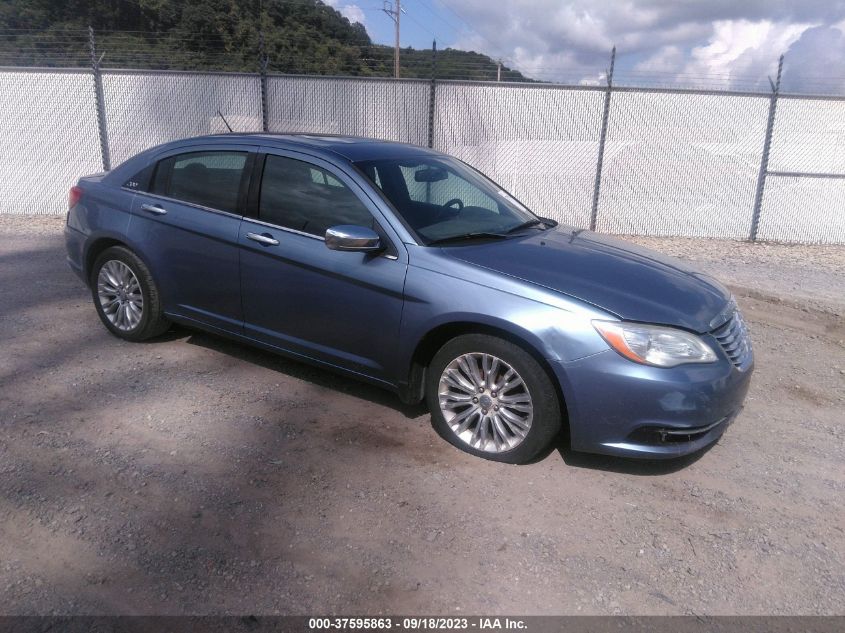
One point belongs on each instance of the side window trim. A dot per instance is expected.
(251, 210)
(287, 229)
(167, 165)
(244, 186)
(193, 205)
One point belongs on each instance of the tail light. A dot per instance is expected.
(74, 196)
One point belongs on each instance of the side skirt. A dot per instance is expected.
(242, 338)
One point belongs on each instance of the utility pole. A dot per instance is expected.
(499, 71)
(394, 15)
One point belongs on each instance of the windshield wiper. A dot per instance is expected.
(468, 236)
(529, 223)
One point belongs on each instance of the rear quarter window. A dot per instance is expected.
(141, 180)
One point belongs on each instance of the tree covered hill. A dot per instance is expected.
(299, 36)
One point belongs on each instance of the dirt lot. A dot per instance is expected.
(195, 475)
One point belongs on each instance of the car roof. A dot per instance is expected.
(354, 148)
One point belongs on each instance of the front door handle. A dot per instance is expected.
(266, 240)
(154, 208)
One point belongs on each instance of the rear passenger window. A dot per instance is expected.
(210, 179)
(301, 196)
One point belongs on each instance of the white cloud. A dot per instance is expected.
(725, 43)
(739, 54)
(351, 12)
(813, 62)
(743, 52)
(668, 59)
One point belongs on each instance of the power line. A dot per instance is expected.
(424, 4)
(163, 50)
(421, 25)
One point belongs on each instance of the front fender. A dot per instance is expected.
(556, 327)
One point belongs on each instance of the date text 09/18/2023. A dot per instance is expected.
(416, 623)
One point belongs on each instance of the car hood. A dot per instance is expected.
(631, 282)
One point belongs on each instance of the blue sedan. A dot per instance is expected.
(409, 269)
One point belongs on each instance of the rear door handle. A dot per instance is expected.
(154, 208)
(266, 240)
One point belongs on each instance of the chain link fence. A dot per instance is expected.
(48, 138)
(539, 143)
(673, 162)
(378, 108)
(145, 109)
(681, 164)
(805, 188)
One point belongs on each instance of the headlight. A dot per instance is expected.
(654, 344)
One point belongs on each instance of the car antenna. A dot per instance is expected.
(225, 122)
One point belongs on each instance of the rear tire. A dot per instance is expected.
(491, 398)
(125, 295)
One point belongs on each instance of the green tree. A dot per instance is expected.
(300, 36)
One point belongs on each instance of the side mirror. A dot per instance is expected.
(348, 237)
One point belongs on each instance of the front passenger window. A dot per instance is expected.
(301, 196)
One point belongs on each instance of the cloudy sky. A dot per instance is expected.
(705, 43)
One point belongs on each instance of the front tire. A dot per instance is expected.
(125, 295)
(491, 398)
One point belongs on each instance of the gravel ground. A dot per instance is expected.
(192, 475)
(804, 276)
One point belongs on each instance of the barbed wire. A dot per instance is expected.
(166, 51)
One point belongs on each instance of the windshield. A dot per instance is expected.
(441, 198)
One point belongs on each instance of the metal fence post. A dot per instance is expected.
(602, 139)
(764, 159)
(431, 93)
(262, 61)
(99, 101)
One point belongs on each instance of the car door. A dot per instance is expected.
(342, 308)
(187, 223)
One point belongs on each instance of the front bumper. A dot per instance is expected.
(618, 407)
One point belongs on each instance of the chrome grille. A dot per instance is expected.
(733, 337)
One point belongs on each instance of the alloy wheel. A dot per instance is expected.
(485, 402)
(120, 295)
